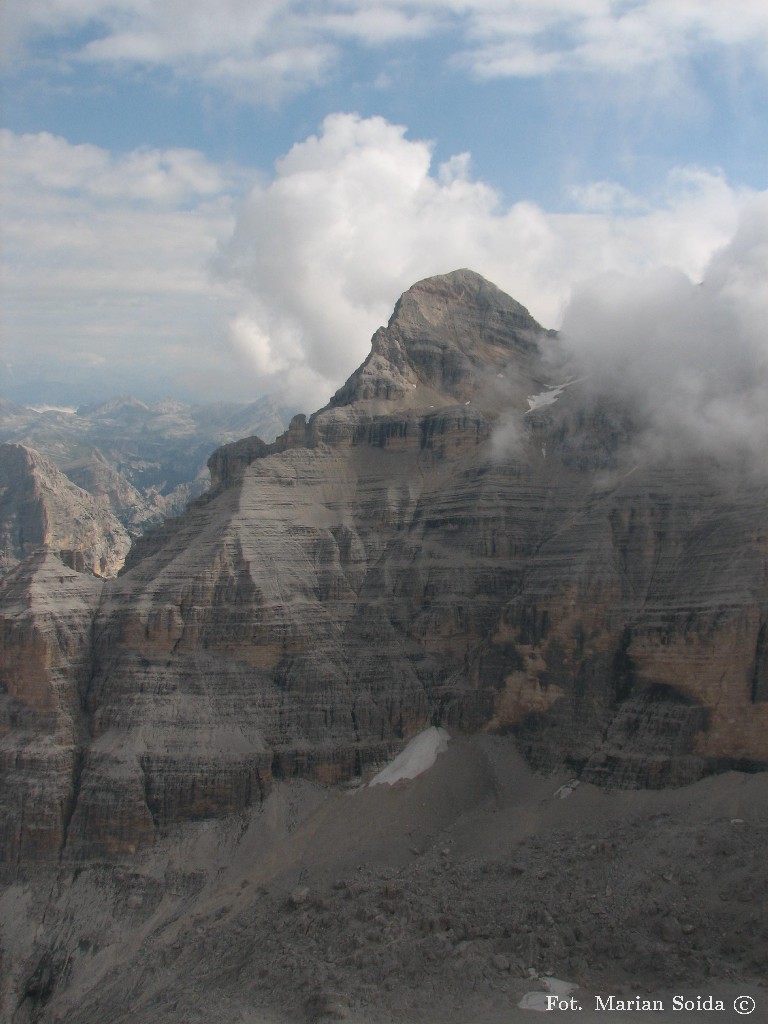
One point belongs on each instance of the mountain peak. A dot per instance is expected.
(446, 334)
(461, 288)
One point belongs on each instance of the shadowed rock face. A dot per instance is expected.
(426, 550)
(46, 616)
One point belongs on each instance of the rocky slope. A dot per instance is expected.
(442, 900)
(40, 508)
(434, 546)
(142, 462)
(57, 544)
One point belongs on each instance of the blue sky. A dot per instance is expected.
(215, 201)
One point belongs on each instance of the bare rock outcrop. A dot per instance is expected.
(41, 508)
(464, 537)
(46, 617)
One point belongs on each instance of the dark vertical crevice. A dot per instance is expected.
(759, 687)
(82, 726)
(74, 796)
(623, 669)
(90, 668)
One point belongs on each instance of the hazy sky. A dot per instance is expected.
(219, 199)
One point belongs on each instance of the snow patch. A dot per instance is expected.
(68, 409)
(550, 396)
(417, 757)
(566, 789)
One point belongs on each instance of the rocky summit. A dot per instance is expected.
(463, 537)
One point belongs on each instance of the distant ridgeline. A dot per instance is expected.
(139, 463)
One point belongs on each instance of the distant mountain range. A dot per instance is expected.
(140, 462)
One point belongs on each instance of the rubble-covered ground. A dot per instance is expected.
(447, 897)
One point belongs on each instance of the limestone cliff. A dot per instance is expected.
(46, 616)
(41, 508)
(457, 538)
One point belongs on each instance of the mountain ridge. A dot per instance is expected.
(427, 549)
(186, 829)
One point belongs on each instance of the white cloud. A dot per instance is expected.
(111, 253)
(529, 37)
(148, 219)
(285, 45)
(606, 197)
(167, 177)
(739, 270)
(357, 213)
(689, 358)
(250, 340)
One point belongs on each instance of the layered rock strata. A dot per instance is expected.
(46, 618)
(430, 548)
(41, 508)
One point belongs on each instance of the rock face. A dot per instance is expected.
(429, 548)
(46, 616)
(41, 508)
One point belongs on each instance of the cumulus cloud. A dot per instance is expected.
(109, 264)
(357, 213)
(351, 218)
(689, 358)
(157, 176)
(282, 45)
